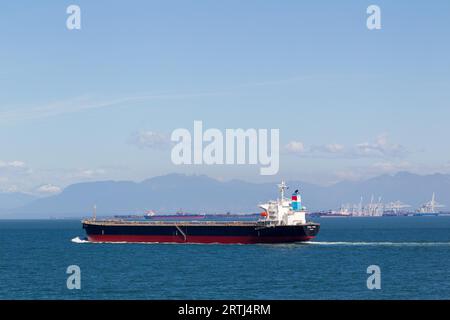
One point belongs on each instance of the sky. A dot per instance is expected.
(100, 103)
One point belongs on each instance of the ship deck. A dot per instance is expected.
(169, 223)
(118, 222)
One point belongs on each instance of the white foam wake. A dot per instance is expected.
(79, 240)
(391, 244)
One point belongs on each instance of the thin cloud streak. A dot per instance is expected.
(85, 103)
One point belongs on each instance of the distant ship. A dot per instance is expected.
(282, 221)
(430, 208)
(180, 215)
(331, 214)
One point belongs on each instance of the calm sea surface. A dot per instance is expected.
(412, 252)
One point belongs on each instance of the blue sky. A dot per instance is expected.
(350, 103)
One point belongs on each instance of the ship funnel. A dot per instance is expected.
(296, 202)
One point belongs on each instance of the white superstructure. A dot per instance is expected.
(284, 211)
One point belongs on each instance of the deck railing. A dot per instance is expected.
(171, 223)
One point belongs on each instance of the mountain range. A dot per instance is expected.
(199, 193)
(13, 200)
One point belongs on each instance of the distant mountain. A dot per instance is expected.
(13, 200)
(165, 194)
(199, 193)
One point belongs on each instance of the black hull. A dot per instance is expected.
(98, 231)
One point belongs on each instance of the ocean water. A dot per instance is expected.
(413, 254)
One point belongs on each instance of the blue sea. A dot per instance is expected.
(413, 254)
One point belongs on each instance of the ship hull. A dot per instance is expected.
(199, 233)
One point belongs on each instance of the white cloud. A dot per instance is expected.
(378, 168)
(151, 140)
(327, 150)
(391, 167)
(10, 189)
(295, 147)
(87, 173)
(334, 147)
(347, 175)
(380, 148)
(12, 164)
(48, 189)
(331, 149)
(44, 181)
(11, 174)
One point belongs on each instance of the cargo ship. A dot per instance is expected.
(429, 209)
(282, 221)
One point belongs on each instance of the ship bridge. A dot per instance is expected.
(284, 211)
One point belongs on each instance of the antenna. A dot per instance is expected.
(95, 212)
(282, 187)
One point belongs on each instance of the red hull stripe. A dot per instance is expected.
(196, 239)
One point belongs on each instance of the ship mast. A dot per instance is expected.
(282, 187)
